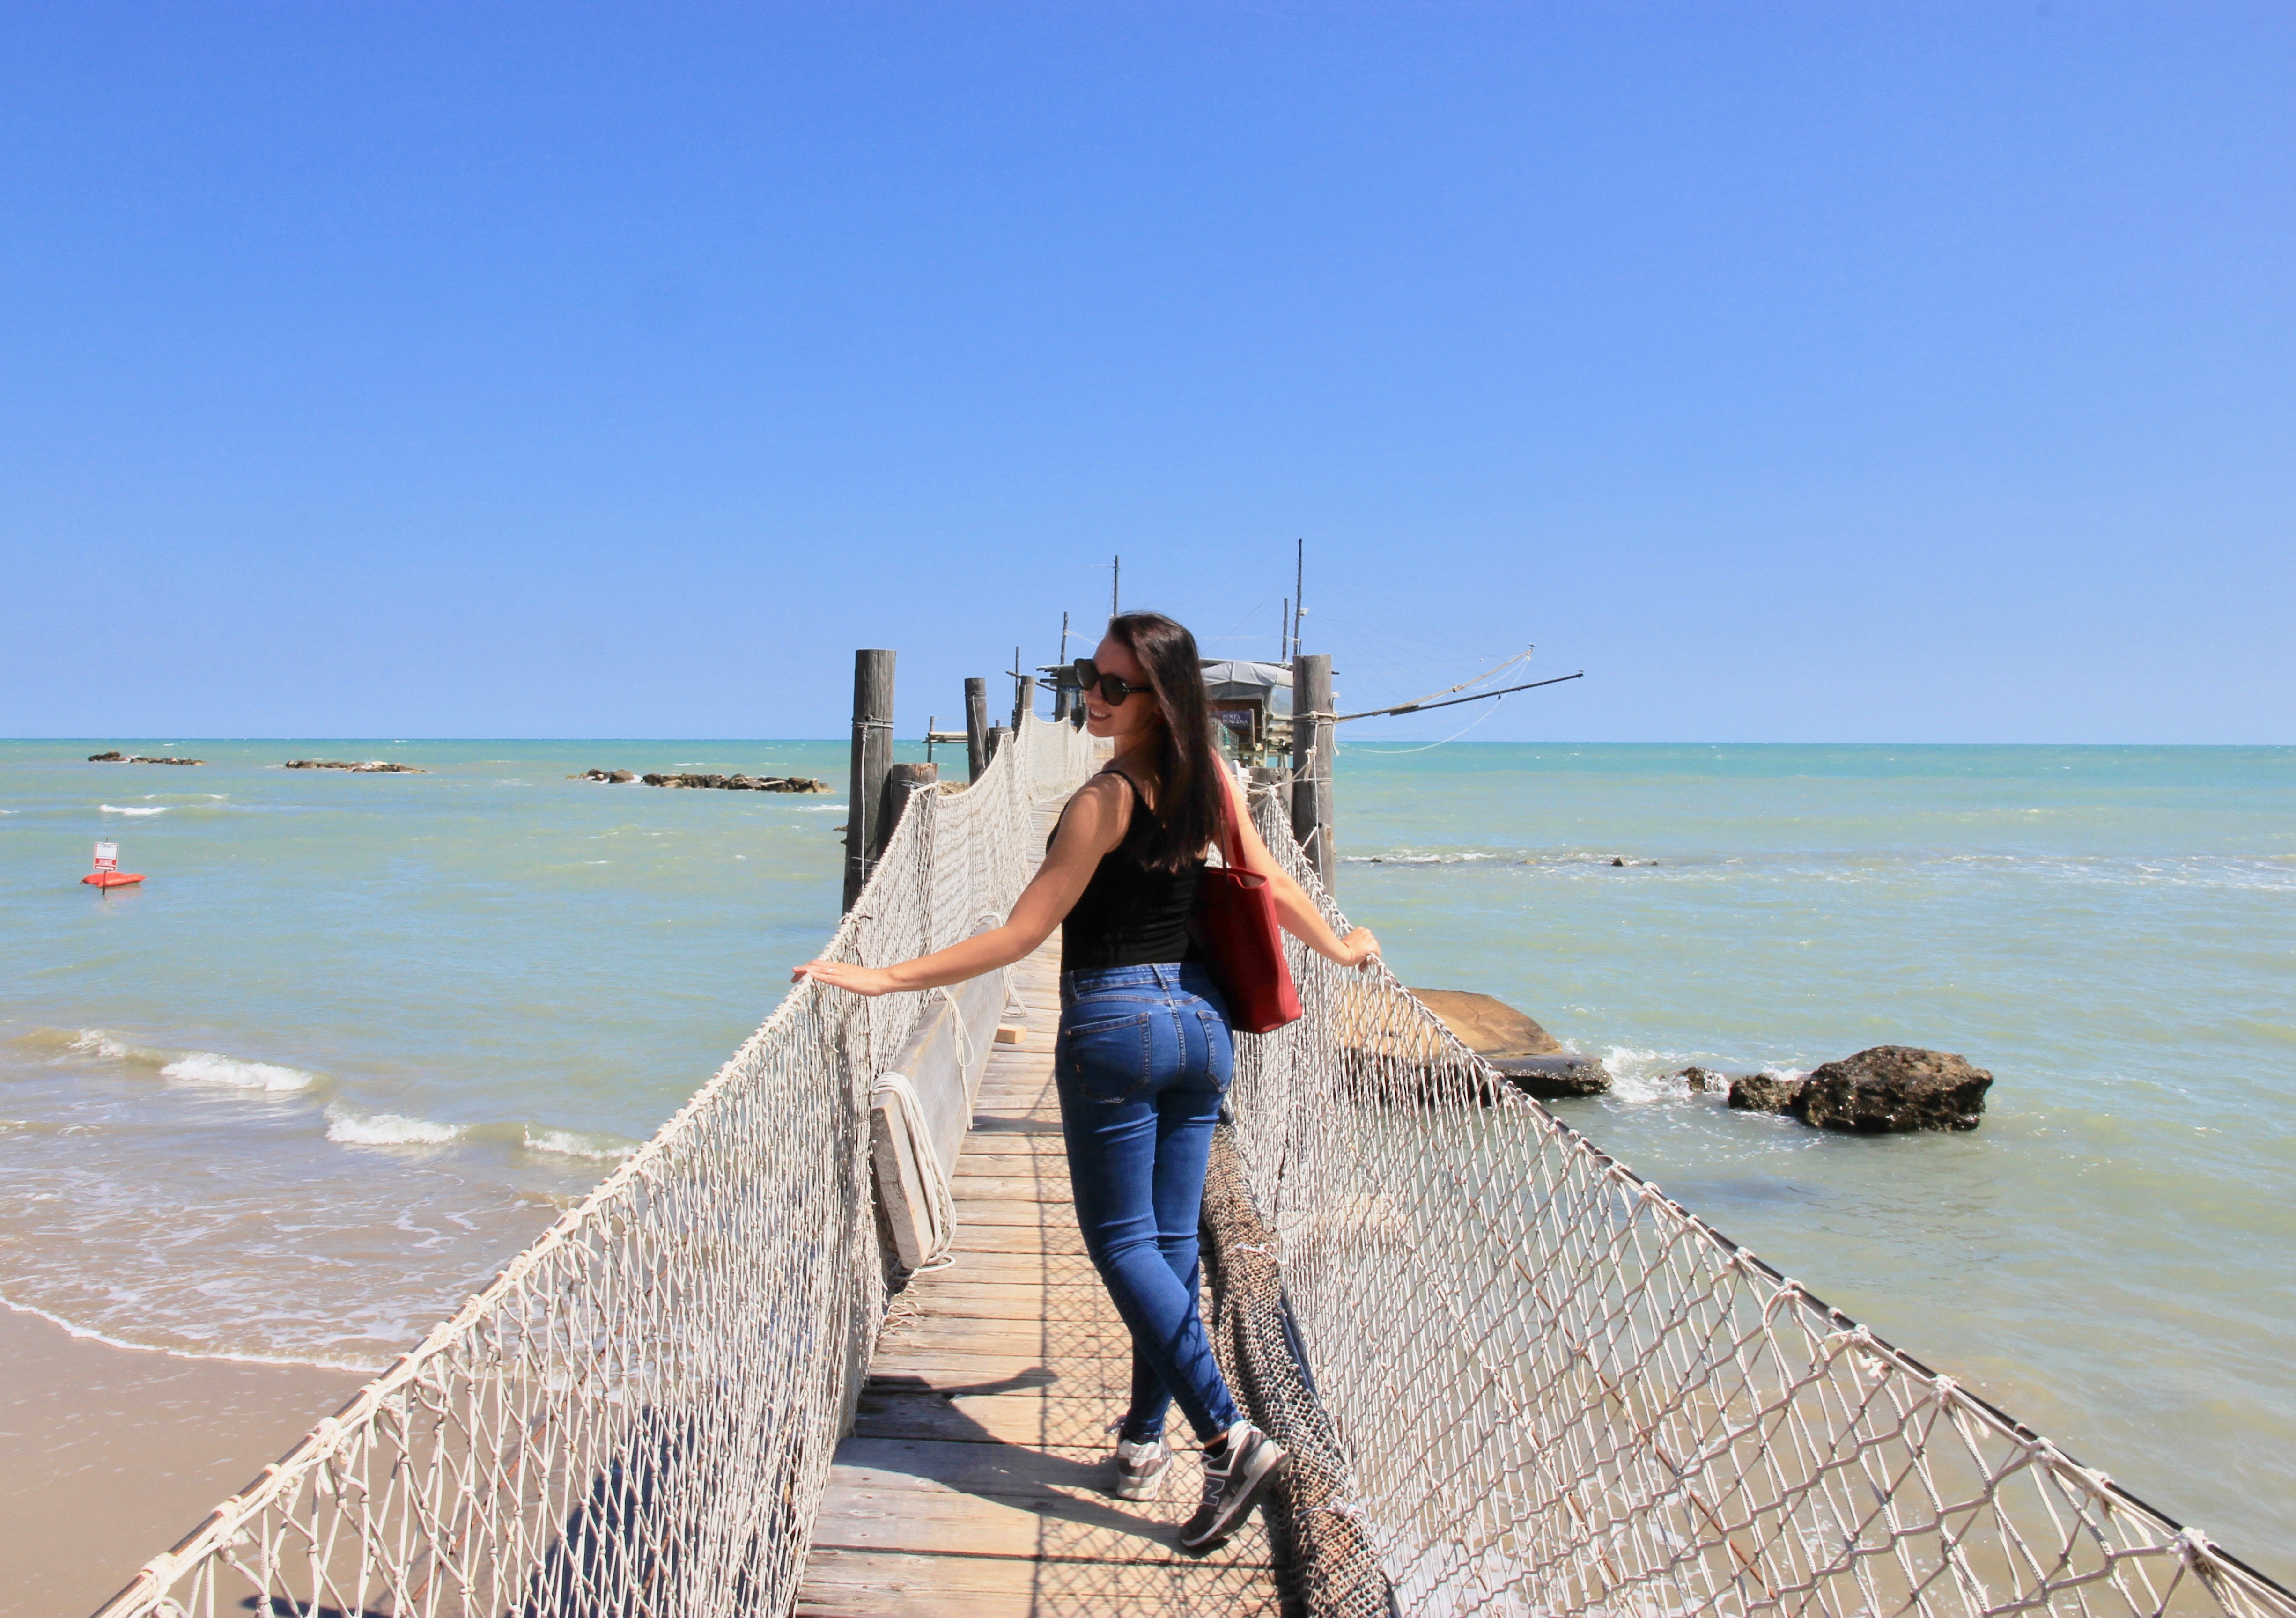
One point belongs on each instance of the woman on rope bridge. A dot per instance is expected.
(1145, 1051)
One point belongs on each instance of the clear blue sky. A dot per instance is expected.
(1851, 371)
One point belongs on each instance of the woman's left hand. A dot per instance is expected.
(1362, 948)
(845, 974)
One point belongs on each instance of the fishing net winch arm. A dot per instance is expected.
(1423, 707)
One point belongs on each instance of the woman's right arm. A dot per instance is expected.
(1092, 824)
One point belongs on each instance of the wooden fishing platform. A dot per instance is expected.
(978, 1477)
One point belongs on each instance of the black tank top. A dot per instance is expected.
(1129, 915)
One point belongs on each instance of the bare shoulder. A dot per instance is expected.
(1096, 815)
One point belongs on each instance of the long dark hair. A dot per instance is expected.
(1191, 788)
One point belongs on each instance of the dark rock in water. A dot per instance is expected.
(1765, 1092)
(1893, 1088)
(113, 757)
(1617, 861)
(117, 758)
(724, 783)
(373, 766)
(1564, 1076)
(1702, 1078)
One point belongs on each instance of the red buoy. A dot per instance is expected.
(107, 872)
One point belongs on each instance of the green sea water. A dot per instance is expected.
(357, 1038)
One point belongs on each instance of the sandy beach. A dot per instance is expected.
(107, 1455)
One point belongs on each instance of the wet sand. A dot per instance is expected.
(109, 1456)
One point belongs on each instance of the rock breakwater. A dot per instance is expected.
(721, 783)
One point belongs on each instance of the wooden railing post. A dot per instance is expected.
(872, 756)
(902, 782)
(976, 727)
(1311, 763)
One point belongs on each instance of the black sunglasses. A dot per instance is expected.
(1113, 689)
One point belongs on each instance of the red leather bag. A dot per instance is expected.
(1235, 925)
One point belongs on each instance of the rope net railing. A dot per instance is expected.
(1555, 1389)
(1515, 1378)
(638, 1416)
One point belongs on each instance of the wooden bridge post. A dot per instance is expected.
(902, 783)
(872, 756)
(976, 727)
(1311, 763)
(998, 735)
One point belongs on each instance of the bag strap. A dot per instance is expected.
(1231, 839)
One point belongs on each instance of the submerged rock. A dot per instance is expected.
(1702, 1078)
(1765, 1092)
(1893, 1088)
(117, 758)
(1529, 1057)
(371, 766)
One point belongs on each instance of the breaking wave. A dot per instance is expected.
(348, 1127)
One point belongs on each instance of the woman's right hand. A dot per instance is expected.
(846, 975)
(1362, 948)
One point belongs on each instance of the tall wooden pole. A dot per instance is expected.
(1299, 595)
(1024, 687)
(872, 756)
(1311, 762)
(976, 727)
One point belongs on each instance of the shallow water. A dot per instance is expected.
(358, 1037)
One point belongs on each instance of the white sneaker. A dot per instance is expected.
(1140, 1468)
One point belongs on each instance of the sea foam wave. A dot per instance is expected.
(1640, 1076)
(350, 1126)
(211, 1067)
(116, 809)
(190, 1066)
(573, 1143)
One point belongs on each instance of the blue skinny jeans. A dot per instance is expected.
(1142, 1060)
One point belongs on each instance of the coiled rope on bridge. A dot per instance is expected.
(1538, 1384)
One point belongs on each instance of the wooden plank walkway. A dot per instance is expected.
(977, 1478)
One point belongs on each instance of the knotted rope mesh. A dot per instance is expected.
(1557, 1391)
(638, 1416)
(1538, 1384)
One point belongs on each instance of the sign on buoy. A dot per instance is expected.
(107, 872)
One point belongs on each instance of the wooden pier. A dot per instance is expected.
(979, 1476)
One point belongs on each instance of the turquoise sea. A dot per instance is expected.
(357, 1037)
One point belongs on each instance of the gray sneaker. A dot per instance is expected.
(1232, 1485)
(1140, 1468)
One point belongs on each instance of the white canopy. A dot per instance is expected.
(1267, 682)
